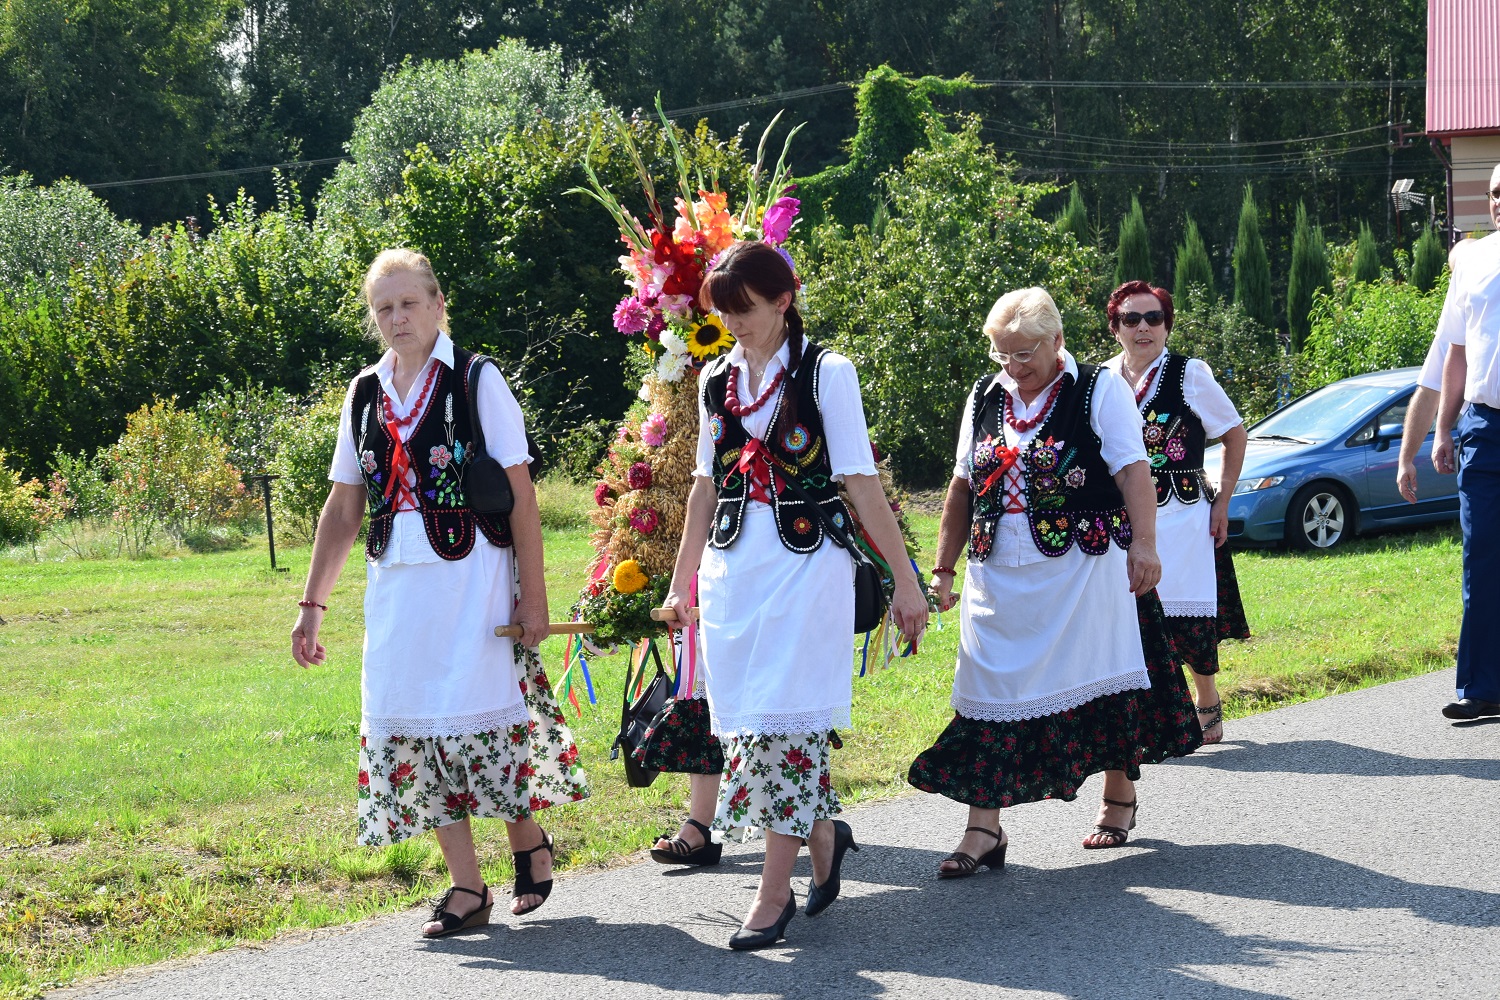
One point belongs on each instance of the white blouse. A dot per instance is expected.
(1204, 395)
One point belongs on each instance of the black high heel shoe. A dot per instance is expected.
(525, 885)
(820, 897)
(679, 852)
(750, 938)
(968, 864)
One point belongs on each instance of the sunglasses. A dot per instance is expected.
(1153, 318)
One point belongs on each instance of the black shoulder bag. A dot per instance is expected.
(636, 718)
(869, 595)
(486, 486)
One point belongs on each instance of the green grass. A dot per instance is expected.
(174, 783)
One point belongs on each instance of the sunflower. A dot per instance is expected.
(708, 338)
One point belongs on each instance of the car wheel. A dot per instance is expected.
(1319, 517)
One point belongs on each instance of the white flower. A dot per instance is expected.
(644, 393)
(673, 343)
(670, 367)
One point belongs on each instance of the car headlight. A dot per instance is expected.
(1258, 483)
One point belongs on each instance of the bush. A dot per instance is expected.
(907, 305)
(1371, 326)
(575, 454)
(27, 507)
(1238, 351)
(243, 418)
(304, 438)
(47, 231)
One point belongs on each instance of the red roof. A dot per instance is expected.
(1463, 66)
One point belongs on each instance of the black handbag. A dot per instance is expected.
(486, 485)
(870, 603)
(637, 716)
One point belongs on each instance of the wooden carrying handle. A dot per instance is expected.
(553, 628)
(668, 615)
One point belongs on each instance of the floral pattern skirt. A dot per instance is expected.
(410, 784)
(1231, 621)
(777, 783)
(993, 765)
(681, 740)
(1196, 638)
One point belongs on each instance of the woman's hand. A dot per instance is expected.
(909, 608)
(306, 649)
(679, 604)
(1218, 520)
(1144, 566)
(942, 591)
(531, 615)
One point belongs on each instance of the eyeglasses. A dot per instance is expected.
(1153, 318)
(1005, 358)
(1495, 194)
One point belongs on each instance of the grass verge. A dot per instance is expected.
(173, 783)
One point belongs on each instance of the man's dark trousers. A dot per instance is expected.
(1479, 514)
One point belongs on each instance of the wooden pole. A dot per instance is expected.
(553, 628)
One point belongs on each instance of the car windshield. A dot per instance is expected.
(1321, 416)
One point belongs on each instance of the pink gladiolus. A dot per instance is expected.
(631, 316)
(778, 220)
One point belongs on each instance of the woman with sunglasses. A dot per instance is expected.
(1184, 407)
(1063, 665)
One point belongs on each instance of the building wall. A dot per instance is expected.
(1474, 158)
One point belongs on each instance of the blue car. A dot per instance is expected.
(1323, 469)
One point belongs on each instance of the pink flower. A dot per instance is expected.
(440, 456)
(631, 316)
(601, 493)
(644, 520)
(638, 477)
(655, 327)
(654, 430)
(778, 220)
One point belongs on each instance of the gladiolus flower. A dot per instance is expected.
(779, 218)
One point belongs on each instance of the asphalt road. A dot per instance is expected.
(1344, 848)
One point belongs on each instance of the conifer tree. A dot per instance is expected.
(1304, 279)
(1366, 256)
(1252, 272)
(1074, 218)
(1427, 260)
(1133, 262)
(1195, 271)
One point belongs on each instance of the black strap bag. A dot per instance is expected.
(870, 603)
(486, 485)
(637, 716)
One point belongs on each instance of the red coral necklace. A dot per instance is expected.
(1140, 393)
(416, 410)
(732, 393)
(1022, 426)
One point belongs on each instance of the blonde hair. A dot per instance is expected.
(1027, 311)
(389, 262)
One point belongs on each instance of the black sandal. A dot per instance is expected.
(1215, 714)
(680, 852)
(525, 886)
(1112, 836)
(968, 864)
(452, 922)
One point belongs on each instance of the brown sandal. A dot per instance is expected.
(1112, 836)
(968, 864)
(1215, 716)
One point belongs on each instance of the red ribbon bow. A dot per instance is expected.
(755, 465)
(1007, 458)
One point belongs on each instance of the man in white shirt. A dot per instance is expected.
(1424, 402)
(1471, 322)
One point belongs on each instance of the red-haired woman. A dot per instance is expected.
(1184, 407)
(776, 594)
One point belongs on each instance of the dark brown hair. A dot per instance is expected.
(756, 267)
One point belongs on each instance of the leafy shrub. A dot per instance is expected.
(907, 305)
(575, 453)
(27, 507)
(304, 438)
(1237, 349)
(47, 231)
(217, 539)
(243, 418)
(1369, 327)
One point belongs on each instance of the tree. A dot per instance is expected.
(1194, 274)
(1427, 260)
(1366, 255)
(1074, 218)
(1252, 272)
(1309, 273)
(1133, 260)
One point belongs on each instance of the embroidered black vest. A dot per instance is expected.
(801, 451)
(438, 450)
(1070, 495)
(1174, 437)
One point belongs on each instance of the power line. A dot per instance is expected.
(1075, 138)
(217, 173)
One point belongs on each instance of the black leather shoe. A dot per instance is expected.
(1470, 708)
(820, 897)
(749, 938)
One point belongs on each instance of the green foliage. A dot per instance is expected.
(1373, 326)
(47, 231)
(1428, 260)
(1241, 352)
(1309, 274)
(1366, 256)
(1252, 272)
(1133, 257)
(243, 418)
(907, 306)
(1074, 218)
(26, 507)
(1193, 277)
(303, 438)
(444, 105)
(576, 452)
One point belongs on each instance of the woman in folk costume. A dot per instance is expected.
(1062, 673)
(1184, 407)
(777, 595)
(456, 722)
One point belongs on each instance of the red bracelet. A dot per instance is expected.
(311, 604)
(937, 570)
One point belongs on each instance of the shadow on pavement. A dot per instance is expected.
(1333, 757)
(1090, 932)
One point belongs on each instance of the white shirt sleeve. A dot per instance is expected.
(500, 416)
(843, 415)
(1117, 421)
(705, 467)
(965, 437)
(345, 466)
(1207, 398)
(1431, 376)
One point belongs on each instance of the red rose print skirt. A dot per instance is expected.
(777, 783)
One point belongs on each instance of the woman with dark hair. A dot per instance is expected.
(1184, 407)
(776, 595)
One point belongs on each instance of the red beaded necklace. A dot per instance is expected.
(416, 410)
(732, 393)
(1022, 426)
(1140, 393)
